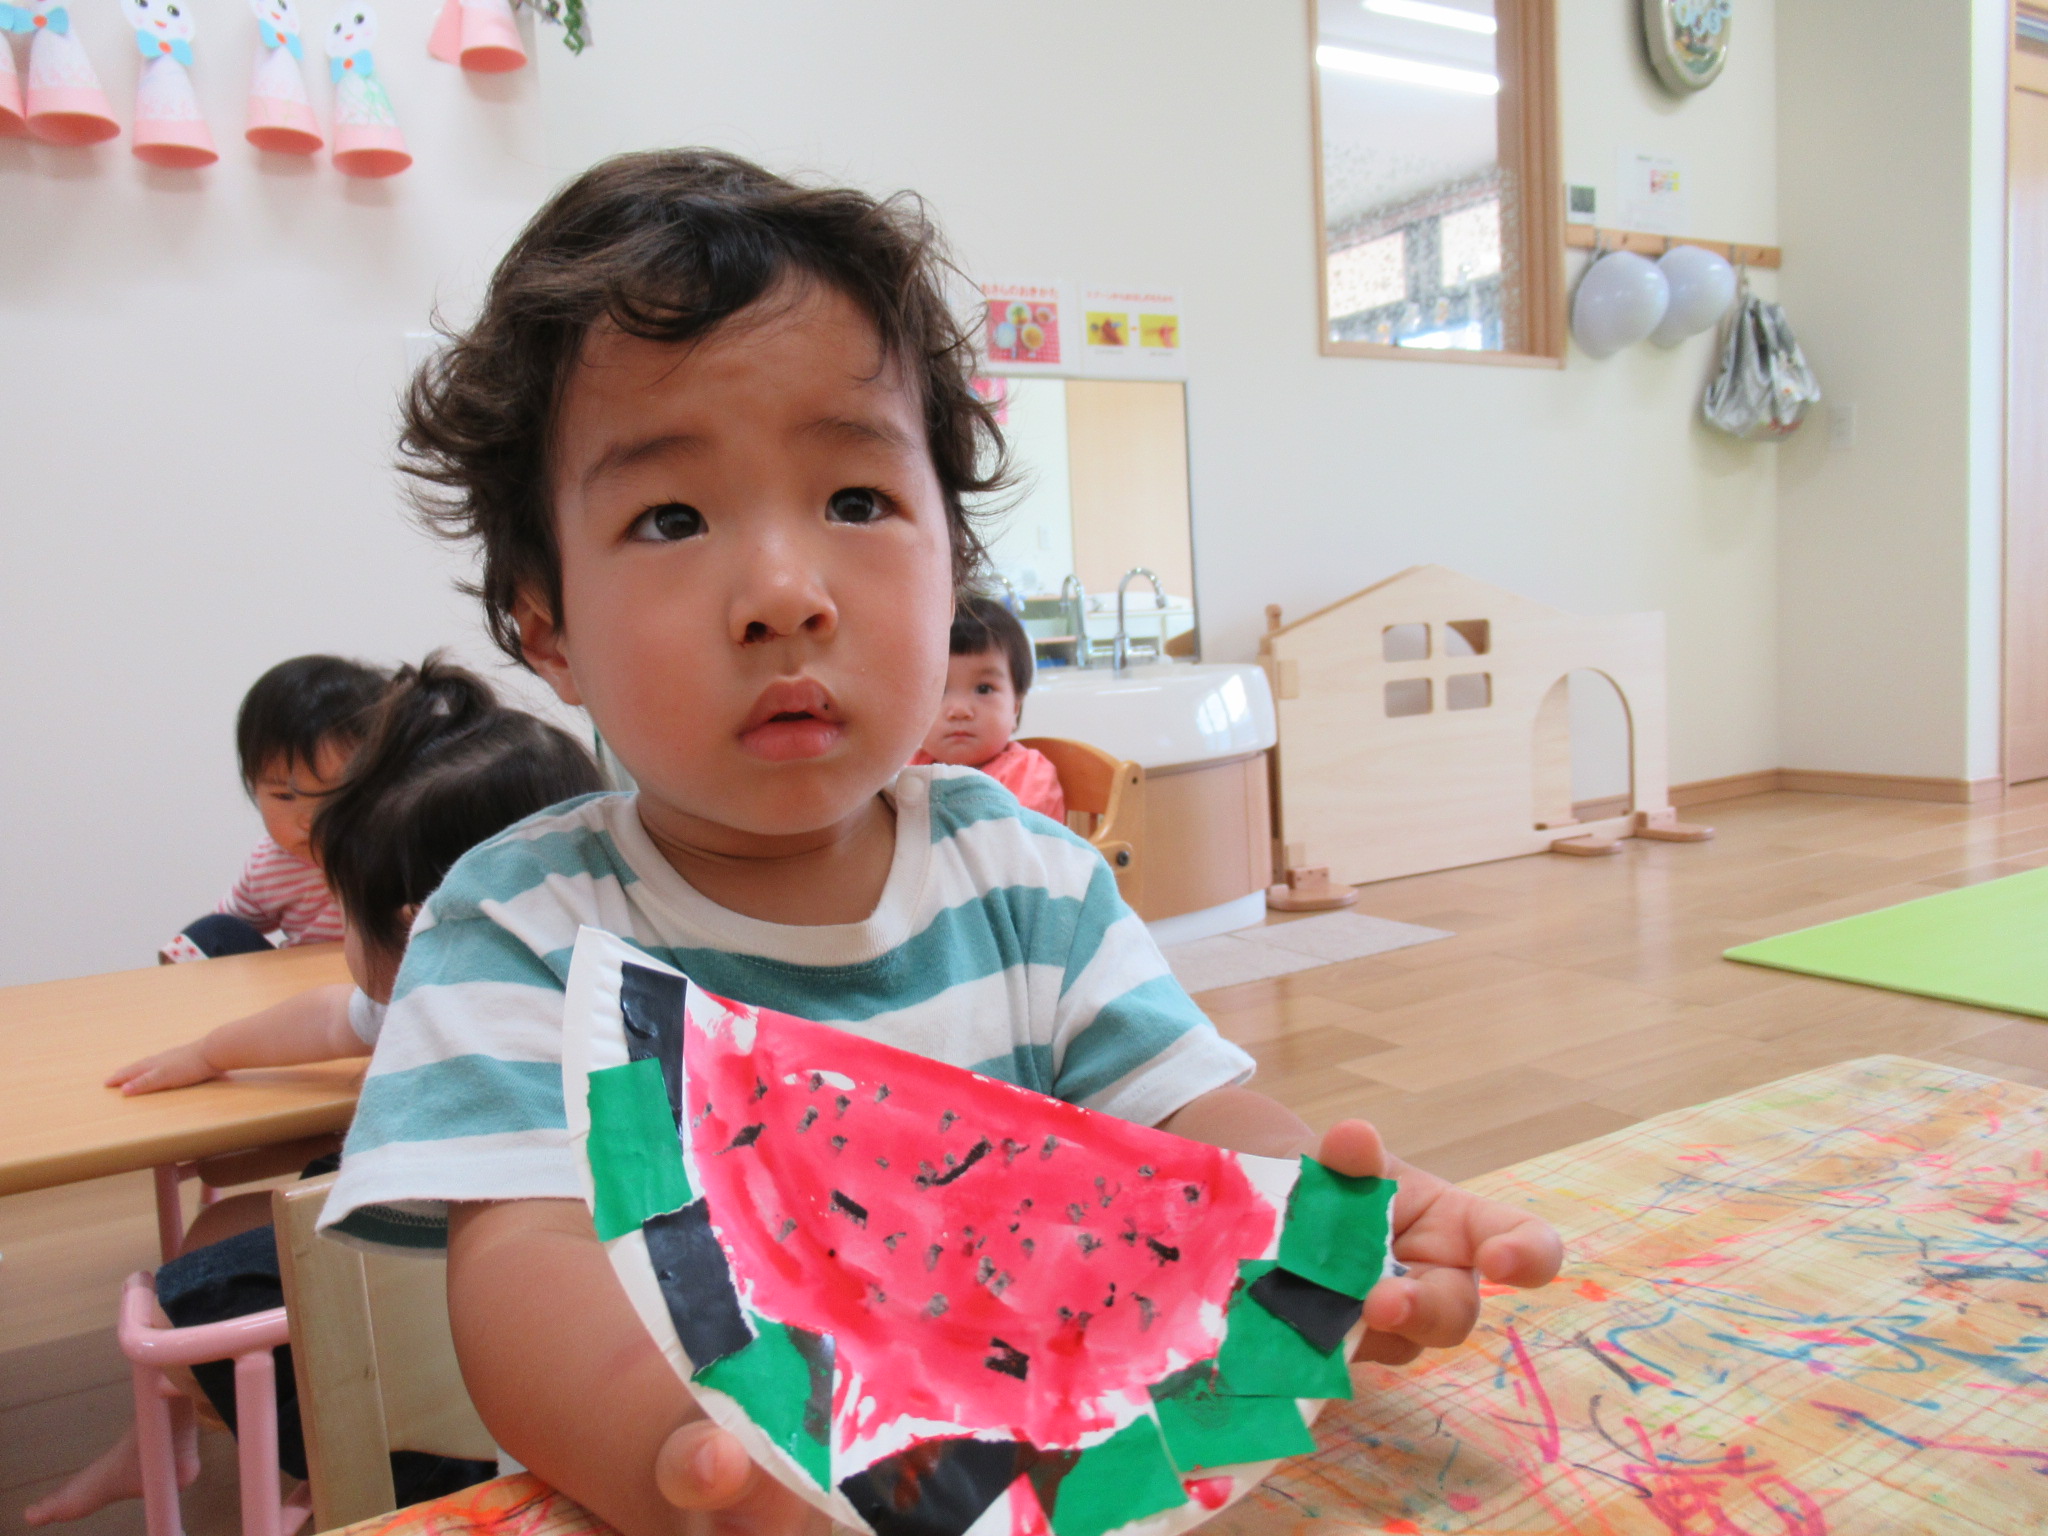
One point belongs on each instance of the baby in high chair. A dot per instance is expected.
(986, 680)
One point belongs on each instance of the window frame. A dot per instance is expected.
(1526, 43)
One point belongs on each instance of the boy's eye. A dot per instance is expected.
(668, 524)
(984, 687)
(856, 504)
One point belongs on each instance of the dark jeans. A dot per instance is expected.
(218, 934)
(239, 1275)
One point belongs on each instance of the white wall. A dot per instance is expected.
(1891, 114)
(200, 371)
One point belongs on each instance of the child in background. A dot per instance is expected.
(986, 680)
(715, 434)
(444, 767)
(293, 736)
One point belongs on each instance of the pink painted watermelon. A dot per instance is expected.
(932, 1302)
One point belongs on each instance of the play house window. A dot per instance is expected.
(1408, 696)
(1406, 642)
(1468, 690)
(1468, 637)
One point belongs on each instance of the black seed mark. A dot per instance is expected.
(1146, 1311)
(946, 1121)
(1190, 1193)
(788, 1226)
(1002, 1282)
(881, 1296)
(893, 1239)
(1008, 1359)
(851, 1208)
(936, 1306)
(1101, 1182)
(1146, 1170)
(1015, 1225)
(760, 1091)
(1130, 1232)
(974, 1155)
(951, 1159)
(1051, 1145)
(1075, 1213)
(701, 1116)
(840, 1106)
(1111, 1299)
(1089, 1241)
(881, 1162)
(817, 1081)
(881, 1093)
(810, 1118)
(1010, 1151)
(932, 1255)
(1029, 1247)
(986, 1272)
(1165, 1252)
(838, 1143)
(1023, 1205)
(747, 1137)
(1066, 1314)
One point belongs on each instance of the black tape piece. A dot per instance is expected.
(652, 1003)
(818, 1351)
(936, 1487)
(696, 1284)
(1317, 1313)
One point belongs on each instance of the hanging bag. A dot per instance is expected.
(1763, 386)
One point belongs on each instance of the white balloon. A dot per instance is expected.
(1620, 300)
(1702, 288)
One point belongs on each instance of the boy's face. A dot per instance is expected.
(288, 795)
(756, 569)
(978, 712)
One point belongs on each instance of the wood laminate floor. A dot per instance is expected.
(1578, 996)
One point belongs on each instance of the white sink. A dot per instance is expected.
(1156, 716)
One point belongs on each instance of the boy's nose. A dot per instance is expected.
(785, 600)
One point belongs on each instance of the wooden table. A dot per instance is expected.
(60, 1039)
(1814, 1307)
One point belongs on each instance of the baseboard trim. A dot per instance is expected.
(1601, 809)
(1812, 781)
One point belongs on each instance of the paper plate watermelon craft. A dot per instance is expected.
(932, 1303)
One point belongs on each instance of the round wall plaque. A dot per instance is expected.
(1688, 40)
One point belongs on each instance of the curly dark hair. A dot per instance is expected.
(668, 245)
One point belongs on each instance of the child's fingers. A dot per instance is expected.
(126, 1074)
(700, 1466)
(1353, 1147)
(1435, 1306)
(1528, 1255)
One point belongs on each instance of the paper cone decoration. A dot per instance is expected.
(168, 128)
(13, 115)
(479, 35)
(366, 137)
(64, 103)
(280, 113)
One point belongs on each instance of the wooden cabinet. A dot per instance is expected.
(1207, 839)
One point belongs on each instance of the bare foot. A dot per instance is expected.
(114, 1475)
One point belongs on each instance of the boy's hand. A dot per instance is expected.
(1449, 1239)
(179, 1067)
(703, 1469)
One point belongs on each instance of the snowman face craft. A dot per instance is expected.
(279, 24)
(354, 32)
(163, 28)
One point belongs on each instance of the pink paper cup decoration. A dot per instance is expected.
(367, 141)
(169, 130)
(930, 1302)
(13, 111)
(280, 112)
(63, 103)
(479, 35)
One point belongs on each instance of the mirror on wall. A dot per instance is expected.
(1102, 491)
(1436, 145)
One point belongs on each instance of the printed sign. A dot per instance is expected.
(1133, 332)
(1023, 326)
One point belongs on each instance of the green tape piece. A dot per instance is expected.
(777, 1379)
(1125, 1478)
(1337, 1229)
(1264, 1357)
(636, 1160)
(1205, 1426)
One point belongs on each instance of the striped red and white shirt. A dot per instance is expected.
(279, 891)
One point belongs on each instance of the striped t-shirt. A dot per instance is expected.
(276, 892)
(999, 944)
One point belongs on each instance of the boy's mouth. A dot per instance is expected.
(792, 720)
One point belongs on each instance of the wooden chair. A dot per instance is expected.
(1105, 804)
(374, 1360)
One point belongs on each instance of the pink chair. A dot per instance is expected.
(160, 1407)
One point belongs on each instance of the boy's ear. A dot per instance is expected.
(541, 642)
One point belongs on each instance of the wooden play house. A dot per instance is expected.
(1425, 724)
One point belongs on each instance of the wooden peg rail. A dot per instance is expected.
(1583, 237)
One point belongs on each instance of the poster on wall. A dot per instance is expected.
(1133, 333)
(1024, 330)
(1652, 193)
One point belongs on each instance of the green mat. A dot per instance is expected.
(1984, 944)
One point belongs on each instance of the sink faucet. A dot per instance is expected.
(1121, 654)
(1074, 599)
